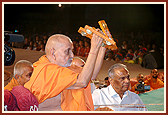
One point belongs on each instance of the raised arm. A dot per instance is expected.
(87, 71)
(99, 62)
(100, 58)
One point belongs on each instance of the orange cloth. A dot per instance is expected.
(88, 98)
(77, 98)
(158, 84)
(11, 84)
(49, 80)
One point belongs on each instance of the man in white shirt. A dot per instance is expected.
(117, 96)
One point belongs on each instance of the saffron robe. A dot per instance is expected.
(158, 84)
(11, 84)
(72, 96)
(48, 80)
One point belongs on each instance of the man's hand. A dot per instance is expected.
(96, 41)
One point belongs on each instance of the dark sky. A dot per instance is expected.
(119, 17)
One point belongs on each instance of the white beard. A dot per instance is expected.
(69, 62)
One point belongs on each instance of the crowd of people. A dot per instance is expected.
(131, 49)
(57, 83)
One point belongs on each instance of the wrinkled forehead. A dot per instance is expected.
(67, 45)
(64, 42)
(64, 39)
(121, 72)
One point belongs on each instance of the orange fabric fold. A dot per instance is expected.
(158, 84)
(11, 84)
(49, 80)
(77, 99)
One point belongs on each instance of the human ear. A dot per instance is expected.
(53, 54)
(17, 76)
(52, 51)
(109, 79)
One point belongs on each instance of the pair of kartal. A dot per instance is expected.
(108, 41)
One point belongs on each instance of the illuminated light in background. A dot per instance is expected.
(60, 5)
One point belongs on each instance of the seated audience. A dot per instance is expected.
(118, 57)
(80, 49)
(142, 52)
(110, 56)
(136, 56)
(75, 46)
(137, 87)
(26, 43)
(153, 60)
(154, 81)
(22, 72)
(42, 47)
(123, 52)
(129, 57)
(30, 47)
(87, 49)
(117, 92)
(36, 48)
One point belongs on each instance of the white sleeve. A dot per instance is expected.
(96, 98)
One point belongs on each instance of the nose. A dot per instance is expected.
(126, 80)
(72, 55)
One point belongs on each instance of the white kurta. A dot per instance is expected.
(109, 98)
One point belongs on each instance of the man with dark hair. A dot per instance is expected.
(151, 60)
(118, 57)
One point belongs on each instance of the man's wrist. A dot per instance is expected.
(92, 53)
(94, 50)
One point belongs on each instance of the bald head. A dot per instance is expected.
(59, 50)
(56, 41)
(20, 66)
